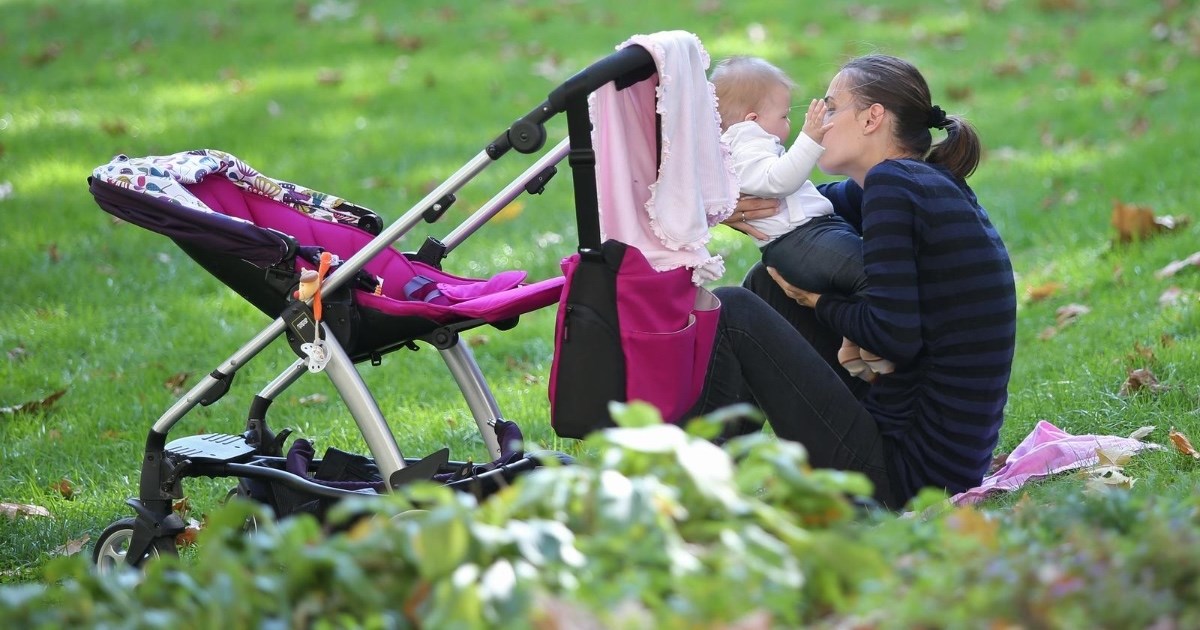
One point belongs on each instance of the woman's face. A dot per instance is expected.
(843, 141)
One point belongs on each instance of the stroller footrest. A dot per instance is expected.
(212, 448)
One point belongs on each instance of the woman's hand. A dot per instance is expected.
(802, 297)
(749, 209)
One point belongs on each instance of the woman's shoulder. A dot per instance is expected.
(918, 176)
(907, 167)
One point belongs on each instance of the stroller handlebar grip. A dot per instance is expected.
(626, 67)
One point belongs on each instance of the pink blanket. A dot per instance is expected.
(1045, 451)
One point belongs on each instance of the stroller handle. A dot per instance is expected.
(626, 67)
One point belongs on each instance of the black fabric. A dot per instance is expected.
(590, 365)
(206, 230)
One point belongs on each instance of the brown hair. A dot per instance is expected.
(742, 83)
(899, 87)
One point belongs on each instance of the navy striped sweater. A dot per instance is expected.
(941, 303)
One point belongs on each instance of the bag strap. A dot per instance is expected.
(582, 159)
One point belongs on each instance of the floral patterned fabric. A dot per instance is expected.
(164, 176)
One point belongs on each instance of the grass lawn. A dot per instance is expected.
(1081, 105)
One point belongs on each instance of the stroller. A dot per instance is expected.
(339, 294)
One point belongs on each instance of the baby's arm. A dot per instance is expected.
(763, 172)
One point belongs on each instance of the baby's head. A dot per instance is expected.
(751, 88)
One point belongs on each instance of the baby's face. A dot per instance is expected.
(773, 113)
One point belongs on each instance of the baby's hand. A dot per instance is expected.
(814, 120)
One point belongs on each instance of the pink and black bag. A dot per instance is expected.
(624, 330)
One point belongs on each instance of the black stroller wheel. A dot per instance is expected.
(111, 550)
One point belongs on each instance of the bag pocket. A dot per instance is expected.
(660, 369)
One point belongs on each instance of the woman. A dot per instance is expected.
(940, 302)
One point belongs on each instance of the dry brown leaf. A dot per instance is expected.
(998, 462)
(33, 406)
(64, 487)
(1043, 291)
(175, 382)
(71, 547)
(18, 354)
(187, 537)
(13, 510)
(1133, 222)
(313, 399)
(1141, 379)
(1067, 314)
(1047, 333)
(1112, 457)
(1108, 479)
(1141, 433)
(1182, 443)
(1178, 265)
(329, 76)
(1145, 352)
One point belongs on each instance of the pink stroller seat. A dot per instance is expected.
(258, 245)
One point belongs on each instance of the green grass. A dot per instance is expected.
(1079, 103)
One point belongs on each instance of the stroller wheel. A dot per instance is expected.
(111, 548)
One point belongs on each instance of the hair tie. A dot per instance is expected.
(937, 118)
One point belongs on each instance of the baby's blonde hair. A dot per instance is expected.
(742, 82)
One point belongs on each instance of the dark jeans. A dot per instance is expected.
(759, 358)
(822, 256)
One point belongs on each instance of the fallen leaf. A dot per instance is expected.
(1141, 433)
(190, 532)
(13, 510)
(1107, 480)
(71, 547)
(1113, 457)
(329, 76)
(1067, 314)
(18, 354)
(1178, 265)
(175, 382)
(64, 487)
(1133, 222)
(1043, 291)
(1139, 379)
(34, 406)
(1145, 352)
(510, 212)
(313, 399)
(998, 462)
(1047, 333)
(1182, 443)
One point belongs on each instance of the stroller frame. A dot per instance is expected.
(255, 457)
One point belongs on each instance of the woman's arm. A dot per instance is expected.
(846, 197)
(886, 318)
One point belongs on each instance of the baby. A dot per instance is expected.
(809, 245)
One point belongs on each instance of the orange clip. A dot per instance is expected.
(322, 269)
